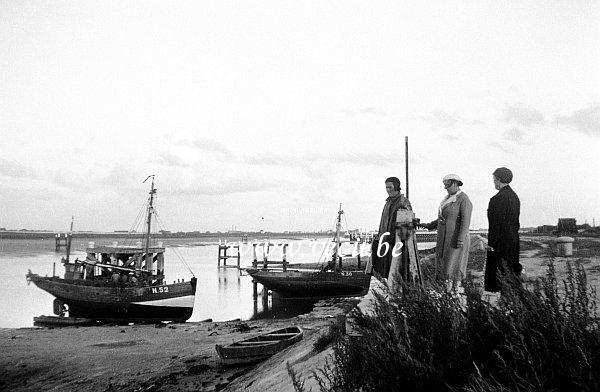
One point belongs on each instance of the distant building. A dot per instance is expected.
(546, 229)
(567, 225)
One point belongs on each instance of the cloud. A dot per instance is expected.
(16, 170)
(523, 115)
(449, 138)
(499, 146)
(369, 110)
(514, 135)
(122, 178)
(585, 120)
(205, 144)
(443, 119)
(307, 159)
(226, 186)
(168, 159)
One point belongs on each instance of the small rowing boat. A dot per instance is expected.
(54, 321)
(259, 347)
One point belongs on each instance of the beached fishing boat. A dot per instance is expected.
(259, 347)
(330, 281)
(120, 283)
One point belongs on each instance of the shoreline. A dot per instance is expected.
(158, 357)
(181, 356)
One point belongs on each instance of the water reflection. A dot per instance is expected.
(228, 280)
(273, 306)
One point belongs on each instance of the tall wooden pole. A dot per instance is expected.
(149, 222)
(69, 239)
(406, 162)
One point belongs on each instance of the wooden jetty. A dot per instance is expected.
(223, 256)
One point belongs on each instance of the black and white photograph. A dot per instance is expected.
(300, 196)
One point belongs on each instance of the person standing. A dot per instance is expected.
(383, 247)
(503, 233)
(453, 239)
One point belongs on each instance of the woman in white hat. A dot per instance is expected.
(453, 241)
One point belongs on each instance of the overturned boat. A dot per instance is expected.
(120, 283)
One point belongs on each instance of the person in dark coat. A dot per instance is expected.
(503, 234)
(381, 249)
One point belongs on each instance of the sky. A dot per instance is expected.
(266, 115)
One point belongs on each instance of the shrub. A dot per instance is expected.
(538, 339)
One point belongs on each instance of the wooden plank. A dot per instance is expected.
(262, 342)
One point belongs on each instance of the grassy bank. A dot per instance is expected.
(543, 338)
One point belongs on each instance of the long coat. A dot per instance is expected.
(503, 235)
(452, 225)
(387, 224)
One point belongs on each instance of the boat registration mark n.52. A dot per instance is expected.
(162, 289)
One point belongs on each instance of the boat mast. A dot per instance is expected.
(150, 211)
(406, 162)
(69, 238)
(338, 228)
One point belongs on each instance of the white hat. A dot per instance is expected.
(455, 177)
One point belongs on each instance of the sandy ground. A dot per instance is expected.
(181, 357)
(173, 357)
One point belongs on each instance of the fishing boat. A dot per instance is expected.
(120, 283)
(259, 347)
(330, 281)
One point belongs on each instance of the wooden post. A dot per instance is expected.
(255, 259)
(266, 248)
(285, 257)
(238, 256)
(406, 162)
(358, 255)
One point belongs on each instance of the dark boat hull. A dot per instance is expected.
(259, 347)
(313, 284)
(173, 302)
(54, 321)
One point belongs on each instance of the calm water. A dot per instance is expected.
(222, 293)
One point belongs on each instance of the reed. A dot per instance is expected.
(541, 338)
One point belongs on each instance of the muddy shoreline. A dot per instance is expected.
(181, 356)
(165, 357)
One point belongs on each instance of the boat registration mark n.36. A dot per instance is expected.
(158, 290)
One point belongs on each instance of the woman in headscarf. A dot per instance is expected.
(453, 240)
(382, 248)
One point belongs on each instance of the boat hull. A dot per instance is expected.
(173, 302)
(313, 284)
(259, 347)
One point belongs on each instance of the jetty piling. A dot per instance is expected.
(266, 250)
(61, 241)
(223, 256)
(266, 263)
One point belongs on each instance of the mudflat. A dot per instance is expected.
(162, 357)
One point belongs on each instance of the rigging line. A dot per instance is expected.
(346, 220)
(136, 222)
(160, 223)
(319, 262)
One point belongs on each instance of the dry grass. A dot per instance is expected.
(532, 340)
